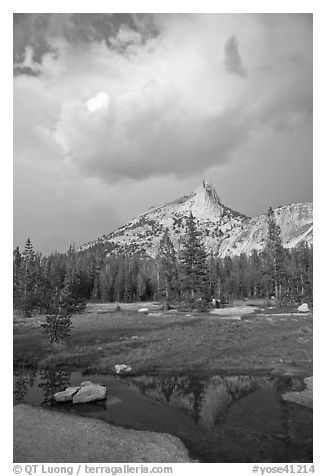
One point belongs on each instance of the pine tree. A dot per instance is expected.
(63, 302)
(17, 260)
(58, 320)
(28, 253)
(214, 277)
(193, 266)
(105, 283)
(72, 284)
(228, 280)
(26, 280)
(119, 280)
(304, 273)
(255, 274)
(167, 268)
(276, 256)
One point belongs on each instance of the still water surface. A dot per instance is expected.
(238, 418)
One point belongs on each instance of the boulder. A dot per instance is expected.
(303, 307)
(143, 310)
(155, 314)
(88, 382)
(89, 393)
(304, 397)
(122, 369)
(66, 395)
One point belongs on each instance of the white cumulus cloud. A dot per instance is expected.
(100, 101)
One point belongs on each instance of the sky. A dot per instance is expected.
(115, 113)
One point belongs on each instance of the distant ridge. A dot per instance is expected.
(225, 232)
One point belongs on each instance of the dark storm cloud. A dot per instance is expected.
(232, 58)
(37, 29)
(164, 148)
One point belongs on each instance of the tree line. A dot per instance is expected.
(192, 277)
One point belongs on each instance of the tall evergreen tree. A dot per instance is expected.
(28, 253)
(228, 288)
(214, 276)
(255, 275)
(275, 256)
(17, 260)
(167, 268)
(193, 266)
(303, 272)
(27, 280)
(58, 320)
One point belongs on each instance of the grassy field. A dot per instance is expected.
(172, 342)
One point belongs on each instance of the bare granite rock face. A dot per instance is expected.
(44, 436)
(87, 382)
(89, 393)
(302, 398)
(224, 231)
(66, 395)
(303, 307)
(122, 369)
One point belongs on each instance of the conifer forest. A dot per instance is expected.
(191, 276)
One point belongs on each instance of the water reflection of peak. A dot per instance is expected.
(207, 399)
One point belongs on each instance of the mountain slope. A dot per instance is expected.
(224, 231)
(295, 221)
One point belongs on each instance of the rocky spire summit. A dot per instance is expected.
(210, 191)
(204, 202)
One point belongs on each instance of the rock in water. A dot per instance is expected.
(90, 393)
(302, 398)
(66, 395)
(303, 307)
(88, 382)
(121, 369)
